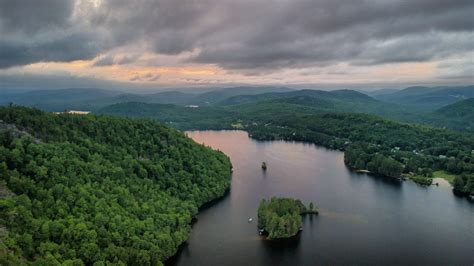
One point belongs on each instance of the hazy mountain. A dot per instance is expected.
(379, 92)
(428, 98)
(94, 99)
(339, 101)
(216, 96)
(90, 99)
(167, 97)
(461, 109)
(459, 115)
(332, 95)
(58, 100)
(286, 102)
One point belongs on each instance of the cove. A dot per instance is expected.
(363, 220)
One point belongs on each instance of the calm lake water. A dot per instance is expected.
(363, 220)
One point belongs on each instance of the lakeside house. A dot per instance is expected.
(74, 112)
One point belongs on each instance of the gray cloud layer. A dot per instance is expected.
(242, 34)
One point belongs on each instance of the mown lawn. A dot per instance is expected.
(443, 174)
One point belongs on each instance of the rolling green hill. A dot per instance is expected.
(97, 189)
(355, 102)
(428, 98)
(201, 99)
(459, 116)
(177, 116)
(414, 104)
(341, 95)
(166, 97)
(333, 101)
(217, 96)
(223, 116)
(462, 109)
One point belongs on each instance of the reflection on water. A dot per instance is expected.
(364, 220)
(396, 183)
(353, 218)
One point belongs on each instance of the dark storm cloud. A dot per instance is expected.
(36, 31)
(27, 82)
(71, 47)
(241, 35)
(31, 16)
(321, 32)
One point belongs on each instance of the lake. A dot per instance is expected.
(363, 220)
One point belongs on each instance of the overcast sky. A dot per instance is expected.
(162, 43)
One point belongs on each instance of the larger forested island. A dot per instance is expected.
(99, 190)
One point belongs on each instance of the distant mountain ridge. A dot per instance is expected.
(332, 95)
(329, 101)
(379, 92)
(413, 104)
(216, 96)
(284, 103)
(93, 99)
(59, 100)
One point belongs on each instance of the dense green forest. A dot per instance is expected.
(281, 217)
(382, 146)
(99, 190)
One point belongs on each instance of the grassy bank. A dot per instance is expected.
(443, 174)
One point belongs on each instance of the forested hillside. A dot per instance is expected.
(317, 101)
(341, 95)
(99, 190)
(335, 101)
(459, 115)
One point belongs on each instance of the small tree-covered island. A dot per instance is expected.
(281, 217)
